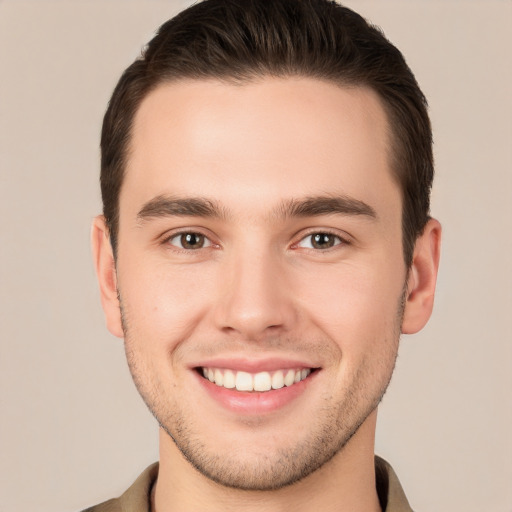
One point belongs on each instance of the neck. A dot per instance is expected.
(345, 483)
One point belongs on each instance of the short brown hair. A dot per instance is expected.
(239, 40)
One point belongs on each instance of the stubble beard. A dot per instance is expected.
(284, 466)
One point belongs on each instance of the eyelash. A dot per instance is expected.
(182, 234)
(339, 240)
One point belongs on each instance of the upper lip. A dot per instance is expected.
(253, 365)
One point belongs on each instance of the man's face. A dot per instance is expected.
(260, 244)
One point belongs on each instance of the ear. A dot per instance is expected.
(106, 272)
(421, 283)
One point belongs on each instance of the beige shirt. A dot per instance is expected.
(137, 497)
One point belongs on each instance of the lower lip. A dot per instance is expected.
(255, 402)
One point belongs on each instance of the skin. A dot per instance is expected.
(258, 289)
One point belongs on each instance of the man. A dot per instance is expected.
(266, 170)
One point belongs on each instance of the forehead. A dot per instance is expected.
(265, 141)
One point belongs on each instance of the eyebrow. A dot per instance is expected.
(169, 206)
(326, 205)
(313, 206)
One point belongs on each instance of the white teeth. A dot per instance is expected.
(229, 379)
(262, 381)
(290, 377)
(244, 382)
(219, 378)
(277, 380)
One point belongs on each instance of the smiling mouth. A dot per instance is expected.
(259, 382)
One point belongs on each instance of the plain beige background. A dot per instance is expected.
(73, 429)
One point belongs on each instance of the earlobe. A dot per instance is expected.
(106, 272)
(421, 283)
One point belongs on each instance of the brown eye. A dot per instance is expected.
(320, 241)
(190, 241)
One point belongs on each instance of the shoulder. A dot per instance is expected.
(107, 506)
(135, 499)
(391, 495)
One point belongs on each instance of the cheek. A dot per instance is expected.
(352, 304)
(164, 302)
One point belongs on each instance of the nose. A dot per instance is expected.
(254, 299)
